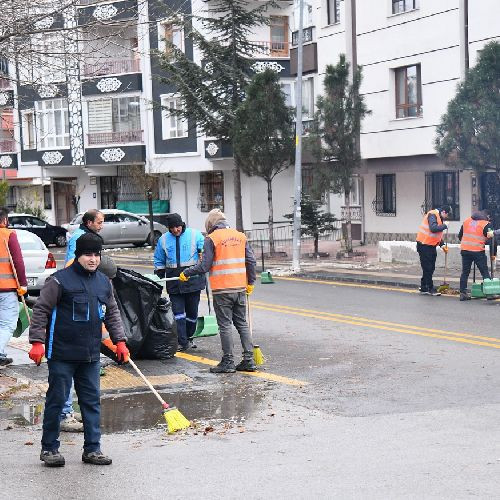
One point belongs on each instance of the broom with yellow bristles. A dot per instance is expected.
(258, 357)
(175, 420)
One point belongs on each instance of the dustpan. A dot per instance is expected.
(22, 321)
(476, 290)
(206, 326)
(266, 277)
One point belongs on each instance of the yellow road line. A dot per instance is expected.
(422, 333)
(266, 376)
(369, 320)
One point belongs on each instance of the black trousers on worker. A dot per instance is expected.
(479, 258)
(428, 255)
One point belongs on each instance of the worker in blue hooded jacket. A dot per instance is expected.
(179, 248)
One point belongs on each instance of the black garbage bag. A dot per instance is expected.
(137, 298)
(161, 339)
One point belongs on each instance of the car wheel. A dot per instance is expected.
(60, 240)
(157, 236)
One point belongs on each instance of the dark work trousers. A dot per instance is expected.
(428, 256)
(87, 387)
(468, 258)
(185, 308)
(230, 308)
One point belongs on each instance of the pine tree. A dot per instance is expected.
(264, 135)
(212, 92)
(334, 140)
(469, 133)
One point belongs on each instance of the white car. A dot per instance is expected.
(38, 261)
(122, 227)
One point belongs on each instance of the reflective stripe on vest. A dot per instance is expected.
(425, 235)
(473, 239)
(187, 263)
(228, 271)
(7, 278)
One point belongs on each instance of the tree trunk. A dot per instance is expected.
(316, 245)
(270, 219)
(348, 232)
(237, 197)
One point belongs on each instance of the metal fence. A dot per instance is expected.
(283, 239)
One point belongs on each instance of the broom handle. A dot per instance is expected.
(445, 256)
(250, 326)
(17, 281)
(207, 287)
(148, 383)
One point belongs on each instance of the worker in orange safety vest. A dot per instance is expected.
(429, 236)
(473, 235)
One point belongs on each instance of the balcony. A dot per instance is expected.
(272, 49)
(111, 67)
(308, 36)
(7, 146)
(100, 138)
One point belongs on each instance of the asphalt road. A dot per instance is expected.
(366, 393)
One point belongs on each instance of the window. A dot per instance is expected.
(306, 13)
(48, 58)
(52, 118)
(355, 194)
(47, 198)
(333, 11)
(7, 142)
(385, 201)
(211, 191)
(114, 120)
(173, 125)
(18, 221)
(399, 6)
(279, 36)
(170, 35)
(126, 218)
(408, 92)
(35, 222)
(441, 188)
(28, 129)
(109, 188)
(290, 88)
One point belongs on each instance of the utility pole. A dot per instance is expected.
(298, 145)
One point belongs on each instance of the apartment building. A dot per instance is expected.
(84, 134)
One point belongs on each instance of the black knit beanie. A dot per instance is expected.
(88, 243)
(175, 220)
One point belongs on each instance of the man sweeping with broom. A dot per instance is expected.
(231, 263)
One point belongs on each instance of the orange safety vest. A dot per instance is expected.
(228, 272)
(7, 278)
(424, 235)
(473, 238)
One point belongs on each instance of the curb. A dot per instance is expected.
(351, 279)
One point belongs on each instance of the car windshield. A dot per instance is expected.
(29, 241)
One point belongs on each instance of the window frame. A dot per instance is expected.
(406, 106)
(443, 188)
(162, 39)
(7, 126)
(207, 189)
(25, 127)
(42, 122)
(384, 203)
(336, 12)
(413, 6)
(181, 126)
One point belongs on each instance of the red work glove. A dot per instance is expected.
(122, 353)
(37, 352)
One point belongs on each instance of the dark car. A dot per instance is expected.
(48, 233)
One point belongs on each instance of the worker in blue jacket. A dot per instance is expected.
(179, 248)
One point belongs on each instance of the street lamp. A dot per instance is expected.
(149, 195)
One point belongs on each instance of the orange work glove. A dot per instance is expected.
(37, 352)
(22, 290)
(445, 248)
(122, 352)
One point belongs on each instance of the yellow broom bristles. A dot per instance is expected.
(176, 421)
(257, 355)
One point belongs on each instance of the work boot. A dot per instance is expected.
(423, 291)
(434, 292)
(464, 296)
(246, 365)
(96, 458)
(71, 424)
(224, 366)
(5, 361)
(52, 458)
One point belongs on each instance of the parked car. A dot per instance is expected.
(48, 233)
(123, 227)
(38, 261)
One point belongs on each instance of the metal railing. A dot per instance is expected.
(111, 67)
(271, 48)
(7, 146)
(97, 138)
(308, 34)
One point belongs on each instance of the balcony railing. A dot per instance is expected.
(7, 146)
(98, 138)
(308, 34)
(272, 49)
(111, 67)
(5, 83)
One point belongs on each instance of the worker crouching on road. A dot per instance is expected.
(231, 263)
(429, 236)
(177, 250)
(473, 235)
(66, 325)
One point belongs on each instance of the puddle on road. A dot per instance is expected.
(128, 412)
